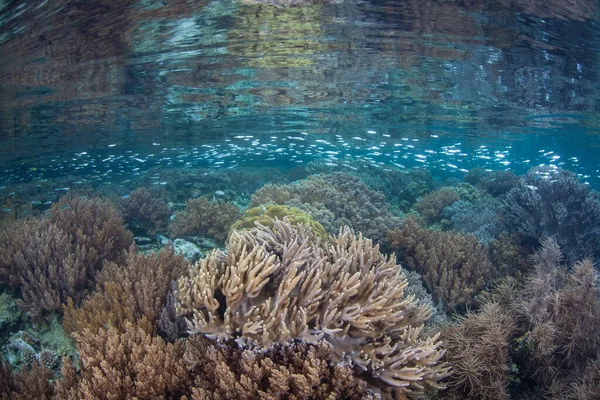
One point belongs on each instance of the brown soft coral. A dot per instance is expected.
(146, 210)
(432, 204)
(454, 266)
(283, 283)
(124, 364)
(134, 292)
(477, 349)
(56, 258)
(203, 217)
(294, 371)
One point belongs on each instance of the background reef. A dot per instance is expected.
(318, 283)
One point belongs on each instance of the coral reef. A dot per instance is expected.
(281, 283)
(552, 202)
(334, 200)
(562, 311)
(146, 210)
(454, 266)
(203, 217)
(266, 215)
(547, 323)
(123, 364)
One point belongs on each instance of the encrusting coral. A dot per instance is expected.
(284, 283)
(266, 215)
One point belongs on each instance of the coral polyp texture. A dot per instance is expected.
(284, 283)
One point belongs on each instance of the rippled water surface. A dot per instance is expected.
(91, 87)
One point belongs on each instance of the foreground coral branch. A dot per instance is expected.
(283, 283)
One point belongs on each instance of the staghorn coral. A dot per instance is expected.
(135, 291)
(294, 371)
(432, 204)
(203, 217)
(146, 210)
(124, 364)
(281, 283)
(334, 200)
(454, 266)
(552, 202)
(478, 349)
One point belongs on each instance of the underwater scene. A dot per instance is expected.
(300, 199)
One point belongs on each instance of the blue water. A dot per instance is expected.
(446, 87)
(461, 136)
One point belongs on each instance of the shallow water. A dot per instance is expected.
(448, 87)
(461, 137)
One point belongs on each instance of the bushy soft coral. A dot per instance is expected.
(454, 266)
(146, 210)
(334, 200)
(551, 202)
(203, 217)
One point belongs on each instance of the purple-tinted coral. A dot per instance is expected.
(480, 220)
(552, 202)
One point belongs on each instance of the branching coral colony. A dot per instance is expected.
(283, 284)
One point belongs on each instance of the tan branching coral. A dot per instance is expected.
(284, 283)
(295, 371)
(454, 266)
(30, 383)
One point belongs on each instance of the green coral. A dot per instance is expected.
(467, 192)
(266, 215)
(9, 313)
